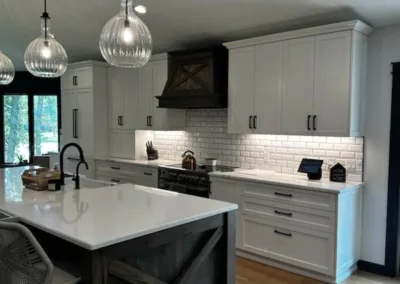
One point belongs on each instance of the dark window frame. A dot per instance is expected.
(25, 83)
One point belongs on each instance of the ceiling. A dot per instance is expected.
(178, 24)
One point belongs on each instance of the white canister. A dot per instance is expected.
(210, 162)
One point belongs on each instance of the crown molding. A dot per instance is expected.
(356, 25)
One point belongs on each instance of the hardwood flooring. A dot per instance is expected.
(249, 272)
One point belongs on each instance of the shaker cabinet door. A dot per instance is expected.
(332, 84)
(145, 90)
(298, 86)
(241, 90)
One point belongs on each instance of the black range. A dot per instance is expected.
(194, 182)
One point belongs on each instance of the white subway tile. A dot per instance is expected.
(305, 152)
(348, 140)
(270, 137)
(282, 138)
(294, 165)
(293, 151)
(281, 163)
(319, 152)
(245, 154)
(312, 145)
(326, 146)
(294, 138)
(300, 144)
(359, 156)
(249, 160)
(276, 169)
(340, 147)
(287, 144)
(287, 170)
(335, 154)
(275, 156)
(287, 157)
(335, 140)
(319, 139)
(255, 155)
(306, 138)
(348, 155)
(359, 140)
(356, 148)
(276, 144)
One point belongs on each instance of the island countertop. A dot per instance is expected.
(96, 218)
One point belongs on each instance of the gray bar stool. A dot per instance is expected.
(23, 261)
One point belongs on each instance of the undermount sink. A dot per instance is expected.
(87, 183)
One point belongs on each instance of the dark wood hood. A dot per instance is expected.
(198, 79)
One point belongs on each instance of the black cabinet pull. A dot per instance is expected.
(115, 180)
(151, 122)
(283, 194)
(74, 81)
(314, 119)
(255, 122)
(148, 174)
(250, 117)
(75, 123)
(115, 168)
(283, 213)
(282, 233)
(121, 120)
(148, 123)
(308, 122)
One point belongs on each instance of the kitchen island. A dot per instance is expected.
(128, 233)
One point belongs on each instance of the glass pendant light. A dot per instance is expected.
(7, 70)
(125, 40)
(45, 56)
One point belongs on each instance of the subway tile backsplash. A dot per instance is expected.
(207, 136)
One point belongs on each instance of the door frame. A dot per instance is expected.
(391, 266)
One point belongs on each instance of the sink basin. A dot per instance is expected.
(87, 183)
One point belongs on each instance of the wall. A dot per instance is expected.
(207, 136)
(383, 49)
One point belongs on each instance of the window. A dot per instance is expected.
(29, 118)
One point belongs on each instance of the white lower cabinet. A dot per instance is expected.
(311, 232)
(126, 173)
(298, 246)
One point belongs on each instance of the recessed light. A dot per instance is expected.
(141, 9)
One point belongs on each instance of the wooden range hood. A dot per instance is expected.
(198, 79)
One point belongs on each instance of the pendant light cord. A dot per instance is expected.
(45, 16)
(126, 10)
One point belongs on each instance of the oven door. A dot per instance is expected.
(200, 191)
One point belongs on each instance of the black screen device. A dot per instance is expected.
(312, 168)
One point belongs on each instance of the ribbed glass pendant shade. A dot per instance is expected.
(7, 70)
(125, 40)
(45, 56)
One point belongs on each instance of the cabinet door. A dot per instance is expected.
(144, 111)
(67, 80)
(84, 77)
(161, 118)
(68, 104)
(268, 88)
(115, 143)
(85, 121)
(241, 89)
(130, 98)
(115, 94)
(298, 85)
(332, 84)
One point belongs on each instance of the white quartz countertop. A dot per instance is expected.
(146, 163)
(99, 217)
(269, 177)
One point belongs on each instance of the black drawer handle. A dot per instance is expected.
(283, 194)
(148, 174)
(282, 233)
(283, 213)
(115, 168)
(115, 180)
(250, 118)
(308, 122)
(314, 119)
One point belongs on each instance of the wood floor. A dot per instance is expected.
(249, 272)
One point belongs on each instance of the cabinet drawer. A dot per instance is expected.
(131, 170)
(117, 180)
(301, 247)
(290, 195)
(289, 214)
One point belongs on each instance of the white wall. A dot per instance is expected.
(383, 49)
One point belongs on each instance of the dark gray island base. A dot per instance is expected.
(200, 252)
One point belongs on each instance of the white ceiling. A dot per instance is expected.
(178, 24)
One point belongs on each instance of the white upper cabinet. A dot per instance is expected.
(298, 78)
(268, 88)
(122, 95)
(332, 93)
(151, 82)
(241, 90)
(83, 108)
(304, 82)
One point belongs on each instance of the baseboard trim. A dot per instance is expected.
(373, 268)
